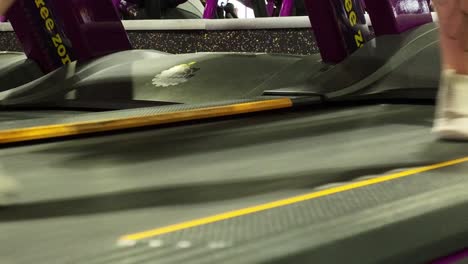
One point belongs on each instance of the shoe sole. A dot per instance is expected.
(452, 129)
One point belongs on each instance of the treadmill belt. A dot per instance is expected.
(86, 195)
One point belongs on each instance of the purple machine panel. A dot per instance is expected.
(210, 9)
(339, 26)
(116, 3)
(57, 32)
(270, 7)
(127, 7)
(397, 16)
(457, 258)
(287, 8)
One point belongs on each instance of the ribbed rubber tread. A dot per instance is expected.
(223, 241)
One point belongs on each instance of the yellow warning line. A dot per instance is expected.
(284, 202)
(93, 126)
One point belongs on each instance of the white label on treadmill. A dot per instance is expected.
(175, 75)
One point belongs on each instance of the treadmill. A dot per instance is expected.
(139, 156)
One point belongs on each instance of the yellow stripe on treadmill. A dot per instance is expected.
(284, 202)
(93, 126)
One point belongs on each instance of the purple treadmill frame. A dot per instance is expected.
(270, 7)
(388, 17)
(286, 8)
(395, 16)
(334, 33)
(87, 28)
(210, 9)
(453, 259)
(102, 34)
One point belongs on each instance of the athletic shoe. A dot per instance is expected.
(451, 120)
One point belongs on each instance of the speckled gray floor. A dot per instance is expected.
(285, 41)
(296, 41)
(9, 42)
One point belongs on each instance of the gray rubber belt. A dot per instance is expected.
(363, 225)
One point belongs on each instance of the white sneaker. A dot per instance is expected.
(451, 120)
(9, 189)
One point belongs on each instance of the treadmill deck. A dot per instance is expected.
(85, 196)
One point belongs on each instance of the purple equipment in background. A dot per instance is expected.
(127, 8)
(116, 3)
(57, 32)
(270, 7)
(339, 26)
(210, 9)
(286, 8)
(397, 16)
(454, 259)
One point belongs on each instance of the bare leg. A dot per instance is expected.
(5, 5)
(452, 29)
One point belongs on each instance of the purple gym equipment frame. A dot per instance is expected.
(397, 16)
(210, 9)
(340, 26)
(57, 32)
(126, 7)
(270, 7)
(286, 8)
(453, 259)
